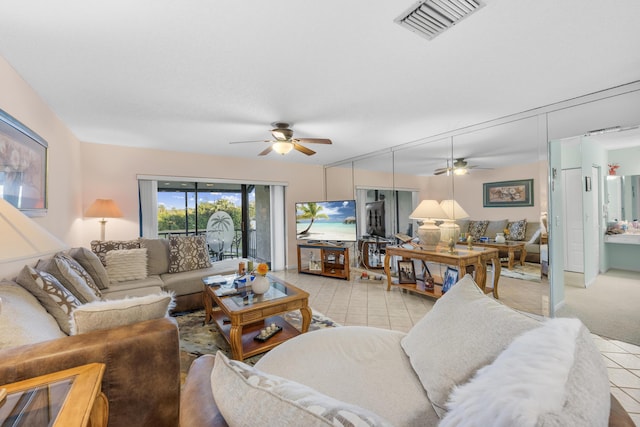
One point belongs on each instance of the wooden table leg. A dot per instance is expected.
(481, 273)
(208, 307)
(306, 318)
(235, 339)
(511, 255)
(497, 269)
(387, 270)
(523, 255)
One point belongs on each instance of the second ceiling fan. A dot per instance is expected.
(284, 141)
(459, 167)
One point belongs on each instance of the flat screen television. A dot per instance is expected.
(375, 218)
(333, 221)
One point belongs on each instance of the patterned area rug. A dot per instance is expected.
(197, 339)
(529, 271)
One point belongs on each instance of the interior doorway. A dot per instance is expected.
(574, 229)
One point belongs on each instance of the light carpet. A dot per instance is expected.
(197, 339)
(609, 307)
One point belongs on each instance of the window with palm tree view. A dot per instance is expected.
(224, 213)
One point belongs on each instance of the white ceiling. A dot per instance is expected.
(194, 75)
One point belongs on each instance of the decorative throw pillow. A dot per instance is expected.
(517, 229)
(188, 253)
(92, 265)
(23, 320)
(72, 276)
(464, 331)
(244, 394)
(477, 229)
(101, 247)
(113, 313)
(126, 264)
(536, 390)
(57, 300)
(157, 255)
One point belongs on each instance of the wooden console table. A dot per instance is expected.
(462, 258)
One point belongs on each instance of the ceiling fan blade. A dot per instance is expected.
(314, 140)
(439, 171)
(245, 142)
(266, 151)
(303, 149)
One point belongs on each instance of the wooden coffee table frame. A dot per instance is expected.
(510, 247)
(239, 325)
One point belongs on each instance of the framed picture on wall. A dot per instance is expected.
(508, 193)
(23, 167)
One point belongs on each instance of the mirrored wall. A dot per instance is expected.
(453, 166)
(513, 148)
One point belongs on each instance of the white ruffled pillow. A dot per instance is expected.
(109, 314)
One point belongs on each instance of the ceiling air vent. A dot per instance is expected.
(428, 18)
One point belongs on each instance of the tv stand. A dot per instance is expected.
(324, 259)
(372, 252)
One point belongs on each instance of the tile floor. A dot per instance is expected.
(368, 303)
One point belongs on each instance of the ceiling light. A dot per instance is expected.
(460, 171)
(429, 18)
(282, 147)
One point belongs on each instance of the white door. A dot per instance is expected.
(574, 229)
(592, 249)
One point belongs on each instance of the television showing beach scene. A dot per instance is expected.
(326, 221)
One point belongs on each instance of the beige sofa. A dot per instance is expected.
(532, 235)
(186, 285)
(448, 369)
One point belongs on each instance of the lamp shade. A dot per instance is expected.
(449, 230)
(428, 209)
(428, 232)
(453, 210)
(103, 208)
(22, 237)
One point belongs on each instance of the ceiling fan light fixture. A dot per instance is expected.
(282, 147)
(460, 171)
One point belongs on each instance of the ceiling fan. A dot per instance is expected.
(284, 141)
(459, 167)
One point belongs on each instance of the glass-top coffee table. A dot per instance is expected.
(240, 315)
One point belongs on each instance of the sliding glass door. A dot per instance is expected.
(235, 218)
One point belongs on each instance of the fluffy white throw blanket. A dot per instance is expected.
(525, 381)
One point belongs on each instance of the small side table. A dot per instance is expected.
(68, 398)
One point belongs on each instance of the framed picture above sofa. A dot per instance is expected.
(23, 167)
(508, 193)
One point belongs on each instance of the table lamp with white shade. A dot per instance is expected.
(428, 211)
(103, 208)
(449, 229)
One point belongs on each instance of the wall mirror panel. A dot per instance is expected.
(596, 274)
(427, 170)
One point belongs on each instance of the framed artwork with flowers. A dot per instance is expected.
(508, 193)
(23, 167)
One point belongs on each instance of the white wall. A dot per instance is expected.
(64, 174)
(111, 171)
